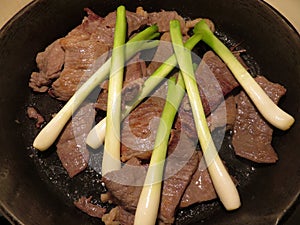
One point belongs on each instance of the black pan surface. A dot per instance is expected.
(34, 189)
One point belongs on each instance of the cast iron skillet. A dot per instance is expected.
(31, 194)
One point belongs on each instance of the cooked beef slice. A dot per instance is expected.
(252, 134)
(223, 115)
(138, 134)
(49, 63)
(34, 114)
(132, 90)
(86, 48)
(191, 23)
(214, 82)
(118, 216)
(85, 205)
(163, 24)
(71, 147)
(72, 59)
(139, 129)
(135, 69)
(134, 21)
(126, 184)
(135, 73)
(201, 188)
(163, 52)
(180, 166)
(101, 102)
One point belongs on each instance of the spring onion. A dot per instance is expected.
(269, 110)
(50, 132)
(222, 181)
(149, 200)
(111, 156)
(96, 137)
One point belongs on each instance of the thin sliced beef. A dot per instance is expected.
(200, 188)
(125, 185)
(72, 59)
(118, 216)
(85, 45)
(180, 166)
(34, 114)
(135, 69)
(191, 23)
(252, 134)
(224, 115)
(132, 90)
(139, 129)
(84, 52)
(134, 21)
(71, 146)
(49, 63)
(214, 82)
(163, 52)
(85, 205)
(135, 73)
(163, 24)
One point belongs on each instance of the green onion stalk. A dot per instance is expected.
(222, 181)
(269, 110)
(111, 156)
(149, 201)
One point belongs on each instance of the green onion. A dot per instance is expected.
(270, 111)
(222, 181)
(50, 132)
(96, 137)
(111, 156)
(148, 205)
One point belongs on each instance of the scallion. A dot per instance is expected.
(270, 111)
(149, 200)
(222, 181)
(111, 156)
